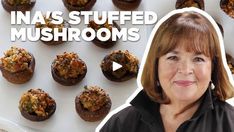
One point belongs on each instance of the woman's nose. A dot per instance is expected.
(185, 67)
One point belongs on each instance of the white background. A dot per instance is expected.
(65, 117)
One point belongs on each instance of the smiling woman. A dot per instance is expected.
(185, 83)
(184, 76)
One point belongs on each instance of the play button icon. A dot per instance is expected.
(115, 66)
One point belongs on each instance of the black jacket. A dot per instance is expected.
(212, 115)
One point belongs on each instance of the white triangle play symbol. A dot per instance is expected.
(115, 66)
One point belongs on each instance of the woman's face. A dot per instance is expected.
(183, 75)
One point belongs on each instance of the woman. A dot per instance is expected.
(184, 81)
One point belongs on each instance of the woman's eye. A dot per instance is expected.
(172, 58)
(199, 59)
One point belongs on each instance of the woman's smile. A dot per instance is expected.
(184, 83)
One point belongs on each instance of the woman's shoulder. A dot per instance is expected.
(128, 118)
(224, 107)
(224, 112)
(218, 116)
(127, 114)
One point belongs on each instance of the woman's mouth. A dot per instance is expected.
(183, 83)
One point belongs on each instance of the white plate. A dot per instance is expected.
(9, 126)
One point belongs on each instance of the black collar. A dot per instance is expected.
(206, 104)
(150, 109)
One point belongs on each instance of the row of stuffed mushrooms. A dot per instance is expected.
(71, 5)
(84, 5)
(17, 66)
(92, 104)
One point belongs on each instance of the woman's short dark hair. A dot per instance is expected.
(196, 33)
